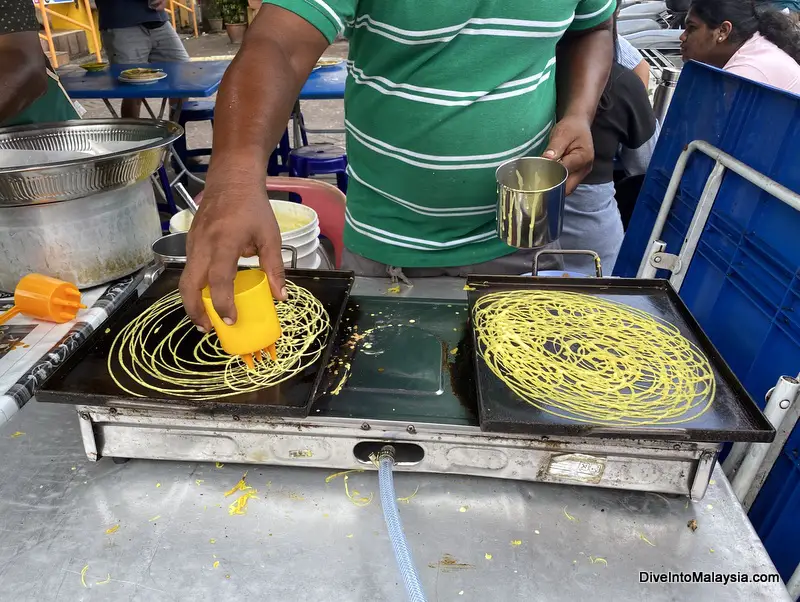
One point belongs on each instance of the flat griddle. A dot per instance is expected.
(84, 380)
(733, 415)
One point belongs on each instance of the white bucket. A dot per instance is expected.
(304, 238)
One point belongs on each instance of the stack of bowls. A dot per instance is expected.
(299, 229)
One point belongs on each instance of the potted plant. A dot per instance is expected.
(234, 13)
(212, 14)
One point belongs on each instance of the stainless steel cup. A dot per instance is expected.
(530, 201)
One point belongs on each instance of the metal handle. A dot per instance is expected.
(293, 251)
(187, 198)
(598, 268)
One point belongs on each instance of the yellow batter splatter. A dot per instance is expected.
(408, 498)
(647, 541)
(113, 529)
(355, 497)
(240, 505)
(335, 475)
(240, 486)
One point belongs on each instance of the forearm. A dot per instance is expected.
(253, 106)
(255, 101)
(584, 63)
(642, 71)
(23, 75)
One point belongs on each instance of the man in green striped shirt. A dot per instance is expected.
(439, 93)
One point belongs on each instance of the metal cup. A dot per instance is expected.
(530, 201)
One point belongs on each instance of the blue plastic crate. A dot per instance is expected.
(743, 285)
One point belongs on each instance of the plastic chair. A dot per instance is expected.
(194, 110)
(279, 159)
(327, 200)
(319, 159)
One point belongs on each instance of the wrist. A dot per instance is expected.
(579, 115)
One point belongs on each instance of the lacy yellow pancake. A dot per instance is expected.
(147, 352)
(592, 360)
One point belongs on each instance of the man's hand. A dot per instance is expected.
(233, 221)
(157, 4)
(255, 99)
(571, 143)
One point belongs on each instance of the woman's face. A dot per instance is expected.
(701, 43)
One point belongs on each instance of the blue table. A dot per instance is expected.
(325, 83)
(191, 79)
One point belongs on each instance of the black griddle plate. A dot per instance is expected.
(83, 379)
(733, 415)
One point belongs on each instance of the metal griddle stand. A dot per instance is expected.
(129, 429)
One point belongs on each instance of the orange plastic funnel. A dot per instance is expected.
(44, 298)
(256, 328)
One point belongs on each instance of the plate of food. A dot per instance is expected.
(322, 63)
(94, 67)
(140, 75)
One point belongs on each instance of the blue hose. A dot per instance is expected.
(403, 555)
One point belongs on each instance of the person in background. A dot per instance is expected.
(31, 91)
(439, 94)
(136, 32)
(749, 38)
(630, 58)
(624, 127)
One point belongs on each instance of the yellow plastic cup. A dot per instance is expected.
(257, 327)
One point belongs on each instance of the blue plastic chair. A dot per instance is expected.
(194, 110)
(319, 159)
(279, 159)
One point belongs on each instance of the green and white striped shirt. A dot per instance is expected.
(439, 93)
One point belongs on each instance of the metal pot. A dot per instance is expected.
(530, 201)
(86, 241)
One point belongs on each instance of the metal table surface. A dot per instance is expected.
(303, 539)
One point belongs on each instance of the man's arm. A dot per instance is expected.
(642, 71)
(583, 64)
(253, 106)
(22, 63)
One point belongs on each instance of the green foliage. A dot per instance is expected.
(210, 9)
(233, 11)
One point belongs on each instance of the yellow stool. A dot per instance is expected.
(257, 327)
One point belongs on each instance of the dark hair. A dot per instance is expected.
(749, 17)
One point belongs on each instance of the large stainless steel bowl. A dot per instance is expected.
(86, 175)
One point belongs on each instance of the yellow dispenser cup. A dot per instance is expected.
(257, 327)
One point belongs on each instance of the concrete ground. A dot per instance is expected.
(319, 114)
